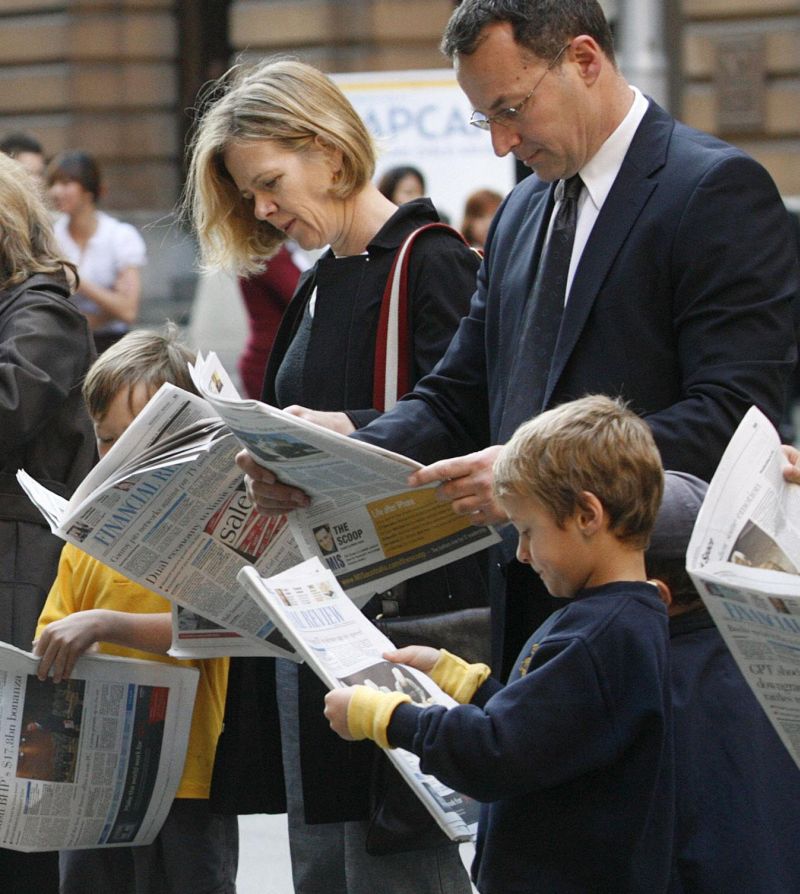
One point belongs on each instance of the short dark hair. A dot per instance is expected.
(389, 180)
(542, 27)
(78, 166)
(14, 143)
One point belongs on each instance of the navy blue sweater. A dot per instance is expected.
(738, 789)
(573, 758)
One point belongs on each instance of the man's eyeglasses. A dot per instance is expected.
(506, 116)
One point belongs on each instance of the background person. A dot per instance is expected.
(479, 210)
(45, 351)
(402, 184)
(28, 151)
(108, 253)
(266, 296)
(279, 153)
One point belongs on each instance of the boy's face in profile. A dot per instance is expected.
(125, 406)
(559, 555)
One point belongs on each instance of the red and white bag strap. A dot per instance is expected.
(392, 373)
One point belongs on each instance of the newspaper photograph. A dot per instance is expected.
(743, 559)
(343, 648)
(364, 522)
(94, 760)
(166, 507)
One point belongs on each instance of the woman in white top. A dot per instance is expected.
(108, 253)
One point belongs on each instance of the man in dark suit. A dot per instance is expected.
(679, 292)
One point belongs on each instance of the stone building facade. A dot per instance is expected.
(119, 77)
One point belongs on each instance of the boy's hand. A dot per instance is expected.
(264, 490)
(337, 701)
(63, 642)
(422, 658)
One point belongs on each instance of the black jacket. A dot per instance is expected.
(45, 351)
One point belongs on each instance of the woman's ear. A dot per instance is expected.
(332, 154)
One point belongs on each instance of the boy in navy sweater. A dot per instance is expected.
(572, 758)
(737, 787)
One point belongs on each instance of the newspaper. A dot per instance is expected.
(744, 558)
(94, 760)
(166, 507)
(367, 525)
(344, 648)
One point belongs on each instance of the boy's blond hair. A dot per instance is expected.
(143, 355)
(593, 444)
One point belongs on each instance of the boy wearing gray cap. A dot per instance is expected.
(737, 788)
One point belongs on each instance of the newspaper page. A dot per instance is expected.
(92, 761)
(344, 648)
(367, 525)
(167, 508)
(744, 559)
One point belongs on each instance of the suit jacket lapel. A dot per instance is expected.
(515, 290)
(631, 191)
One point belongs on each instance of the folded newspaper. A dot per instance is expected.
(94, 760)
(166, 507)
(744, 558)
(343, 648)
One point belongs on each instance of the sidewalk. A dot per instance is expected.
(264, 866)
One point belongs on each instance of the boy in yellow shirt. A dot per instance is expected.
(92, 606)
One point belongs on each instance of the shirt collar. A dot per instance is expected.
(600, 172)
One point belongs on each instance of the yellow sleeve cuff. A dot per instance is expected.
(370, 711)
(457, 678)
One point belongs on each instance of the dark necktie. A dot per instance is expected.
(541, 318)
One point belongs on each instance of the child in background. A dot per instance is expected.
(573, 757)
(737, 787)
(92, 606)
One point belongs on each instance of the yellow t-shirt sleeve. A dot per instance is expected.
(459, 679)
(370, 711)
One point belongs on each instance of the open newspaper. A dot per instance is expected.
(367, 525)
(343, 648)
(94, 760)
(166, 507)
(744, 558)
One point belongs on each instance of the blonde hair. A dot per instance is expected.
(286, 102)
(143, 355)
(593, 444)
(28, 245)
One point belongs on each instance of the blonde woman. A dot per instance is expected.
(281, 154)
(45, 350)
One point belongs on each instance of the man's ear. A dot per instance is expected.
(589, 515)
(663, 591)
(588, 56)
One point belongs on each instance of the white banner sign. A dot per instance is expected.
(421, 118)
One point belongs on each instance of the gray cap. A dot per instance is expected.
(683, 497)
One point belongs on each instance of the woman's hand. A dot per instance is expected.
(338, 422)
(264, 490)
(423, 658)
